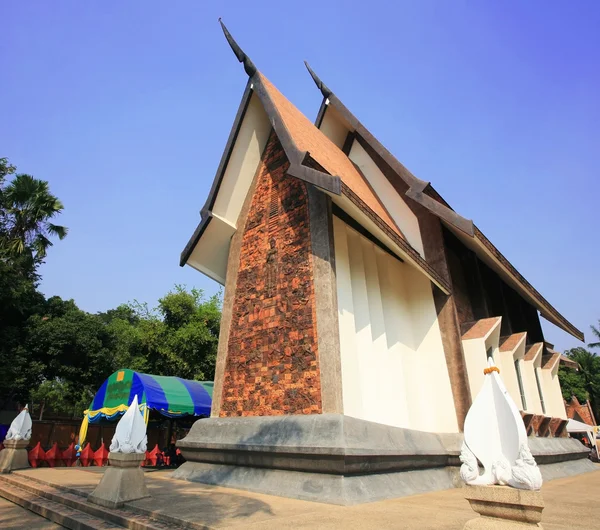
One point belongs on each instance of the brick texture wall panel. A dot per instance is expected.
(272, 359)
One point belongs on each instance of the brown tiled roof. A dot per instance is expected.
(533, 350)
(552, 360)
(510, 342)
(570, 363)
(308, 138)
(478, 329)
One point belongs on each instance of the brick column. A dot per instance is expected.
(268, 357)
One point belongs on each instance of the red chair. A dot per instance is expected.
(101, 456)
(53, 456)
(69, 456)
(86, 456)
(37, 455)
(152, 456)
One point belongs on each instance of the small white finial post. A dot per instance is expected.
(495, 436)
(14, 455)
(20, 428)
(130, 434)
(123, 480)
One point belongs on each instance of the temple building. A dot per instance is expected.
(356, 302)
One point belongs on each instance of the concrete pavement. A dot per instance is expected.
(570, 503)
(13, 516)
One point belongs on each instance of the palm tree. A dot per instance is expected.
(596, 332)
(27, 206)
(589, 370)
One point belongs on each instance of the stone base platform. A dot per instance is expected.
(337, 459)
(14, 456)
(501, 507)
(123, 481)
(570, 503)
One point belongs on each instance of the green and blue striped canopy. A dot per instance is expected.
(171, 396)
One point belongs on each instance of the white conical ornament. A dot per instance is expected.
(130, 434)
(20, 428)
(496, 436)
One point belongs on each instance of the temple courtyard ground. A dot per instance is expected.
(570, 503)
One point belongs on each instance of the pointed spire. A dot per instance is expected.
(320, 85)
(241, 56)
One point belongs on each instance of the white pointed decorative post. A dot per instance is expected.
(14, 455)
(123, 480)
(506, 494)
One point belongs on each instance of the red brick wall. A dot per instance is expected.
(272, 358)
(582, 410)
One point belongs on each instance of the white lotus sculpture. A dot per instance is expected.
(495, 435)
(20, 428)
(130, 434)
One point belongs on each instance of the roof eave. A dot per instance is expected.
(423, 193)
(214, 190)
(546, 309)
(193, 241)
(417, 186)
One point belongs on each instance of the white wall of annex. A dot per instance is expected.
(508, 374)
(476, 361)
(402, 215)
(333, 127)
(243, 162)
(553, 400)
(532, 396)
(393, 365)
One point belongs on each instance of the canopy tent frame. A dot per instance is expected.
(580, 427)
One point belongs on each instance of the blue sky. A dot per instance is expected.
(125, 107)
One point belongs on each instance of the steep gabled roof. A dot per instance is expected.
(303, 143)
(419, 190)
(424, 194)
(310, 140)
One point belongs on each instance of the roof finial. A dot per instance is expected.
(241, 56)
(320, 85)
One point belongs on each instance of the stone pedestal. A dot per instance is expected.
(123, 481)
(14, 456)
(502, 507)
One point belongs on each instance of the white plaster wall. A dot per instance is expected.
(477, 352)
(243, 161)
(555, 406)
(212, 250)
(476, 361)
(508, 373)
(334, 128)
(532, 395)
(435, 406)
(351, 380)
(393, 365)
(394, 204)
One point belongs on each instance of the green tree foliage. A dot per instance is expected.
(19, 298)
(25, 216)
(51, 392)
(571, 385)
(76, 351)
(179, 337)
(190, 333)
(58, 355)
(73, 347)
(584, 383)
(596, 332)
